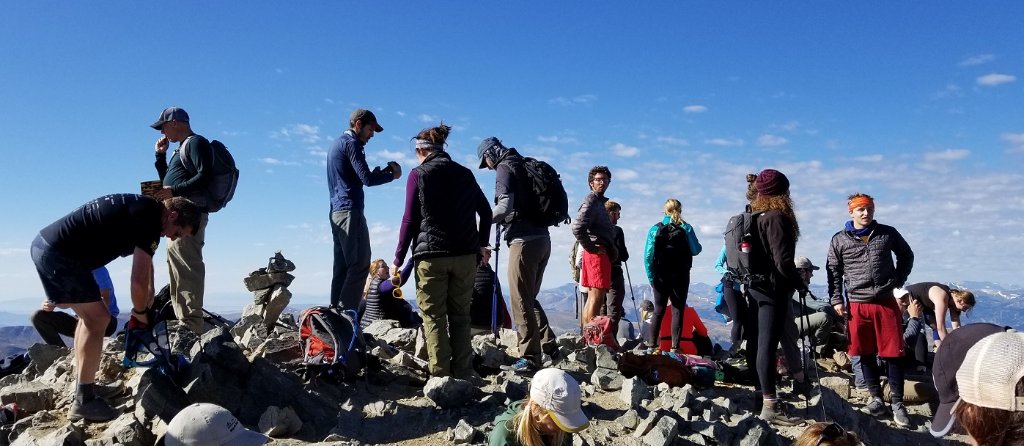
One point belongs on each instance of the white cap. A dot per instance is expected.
(899, 292)
(991, 370)
(209, 424)
(560, 394)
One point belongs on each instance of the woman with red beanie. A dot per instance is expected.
(771, 258)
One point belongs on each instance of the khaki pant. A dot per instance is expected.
(188, 276)
(526, 263)
(444, 292)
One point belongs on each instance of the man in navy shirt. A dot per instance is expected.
(68, 250)
(347, 173)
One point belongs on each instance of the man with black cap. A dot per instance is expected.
(185, 255)
(529, 249)
(860, 265)
(347, 173)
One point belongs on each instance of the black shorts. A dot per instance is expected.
(65, 280)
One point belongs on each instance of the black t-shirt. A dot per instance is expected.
(106, 228)
(920, 292)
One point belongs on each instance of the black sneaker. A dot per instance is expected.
(875, 408)
(900, 416)
(95, 410)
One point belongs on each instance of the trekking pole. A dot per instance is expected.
(629, 281)
(497, 284)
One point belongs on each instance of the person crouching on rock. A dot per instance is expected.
(382, 297)
(549, 417)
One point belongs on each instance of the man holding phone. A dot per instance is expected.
(347, 173)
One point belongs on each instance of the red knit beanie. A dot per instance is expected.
(771, 182)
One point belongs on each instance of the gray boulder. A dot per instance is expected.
(449, 392)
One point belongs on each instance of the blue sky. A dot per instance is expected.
(916, 103)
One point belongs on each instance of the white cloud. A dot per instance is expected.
(576, 100)
(1016, 141)
(947, 155)
(626, 174)
(950, 91)
(426, 118)
(725, 142)
(977, 60)
(401, 114)
(672, 141)
(994, 79)
(276, 162)
(13, 252)
(621, 149)
(695, 109)
(555, 139)
(869, 158)
(306, 133)
(769, 140)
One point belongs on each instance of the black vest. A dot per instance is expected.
(448, 195)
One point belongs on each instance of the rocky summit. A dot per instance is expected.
(255, 370)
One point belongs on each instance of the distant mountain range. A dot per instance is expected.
(996, 304)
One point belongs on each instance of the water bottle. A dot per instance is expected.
(745, 247)
(8, 413)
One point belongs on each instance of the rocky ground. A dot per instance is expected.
(254, 372)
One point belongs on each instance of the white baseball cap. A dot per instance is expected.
(560, 395)
(991, 370)
(899, 292)
(209, 424)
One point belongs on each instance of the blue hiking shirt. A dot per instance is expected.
(347, 173)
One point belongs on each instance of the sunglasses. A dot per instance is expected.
(832, 432)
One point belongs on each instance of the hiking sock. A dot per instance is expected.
(85, 393)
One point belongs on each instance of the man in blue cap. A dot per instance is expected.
(185, 255)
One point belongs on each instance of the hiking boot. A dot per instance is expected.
(95, 410)
(899, 415)
(803, 388)
(523, 365)
(773, 413)
(552, 359)
(876, 408)
(109, 390)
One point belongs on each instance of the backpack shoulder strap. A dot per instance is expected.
(182, 155)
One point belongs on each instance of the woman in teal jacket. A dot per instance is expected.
(668, 256)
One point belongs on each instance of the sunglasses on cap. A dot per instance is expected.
(832, 432)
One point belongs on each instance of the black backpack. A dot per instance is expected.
(671, 249)
(332, 345)
(221, 188)
(548, 204)
(740, 233)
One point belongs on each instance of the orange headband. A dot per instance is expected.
(861, 201)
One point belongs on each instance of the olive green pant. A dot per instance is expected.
(444, 292)
(188, 276)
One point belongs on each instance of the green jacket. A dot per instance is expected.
(503, 433)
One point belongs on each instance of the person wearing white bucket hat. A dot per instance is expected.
(553, 410)
(209, 425)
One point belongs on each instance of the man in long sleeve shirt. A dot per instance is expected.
(347, 173)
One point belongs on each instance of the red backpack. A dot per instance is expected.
(332, 344)
(599, 331)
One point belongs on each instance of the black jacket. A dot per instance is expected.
(866, 269)
(450, 202)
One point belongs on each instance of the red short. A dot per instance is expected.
(596, 272)
(875, 329)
